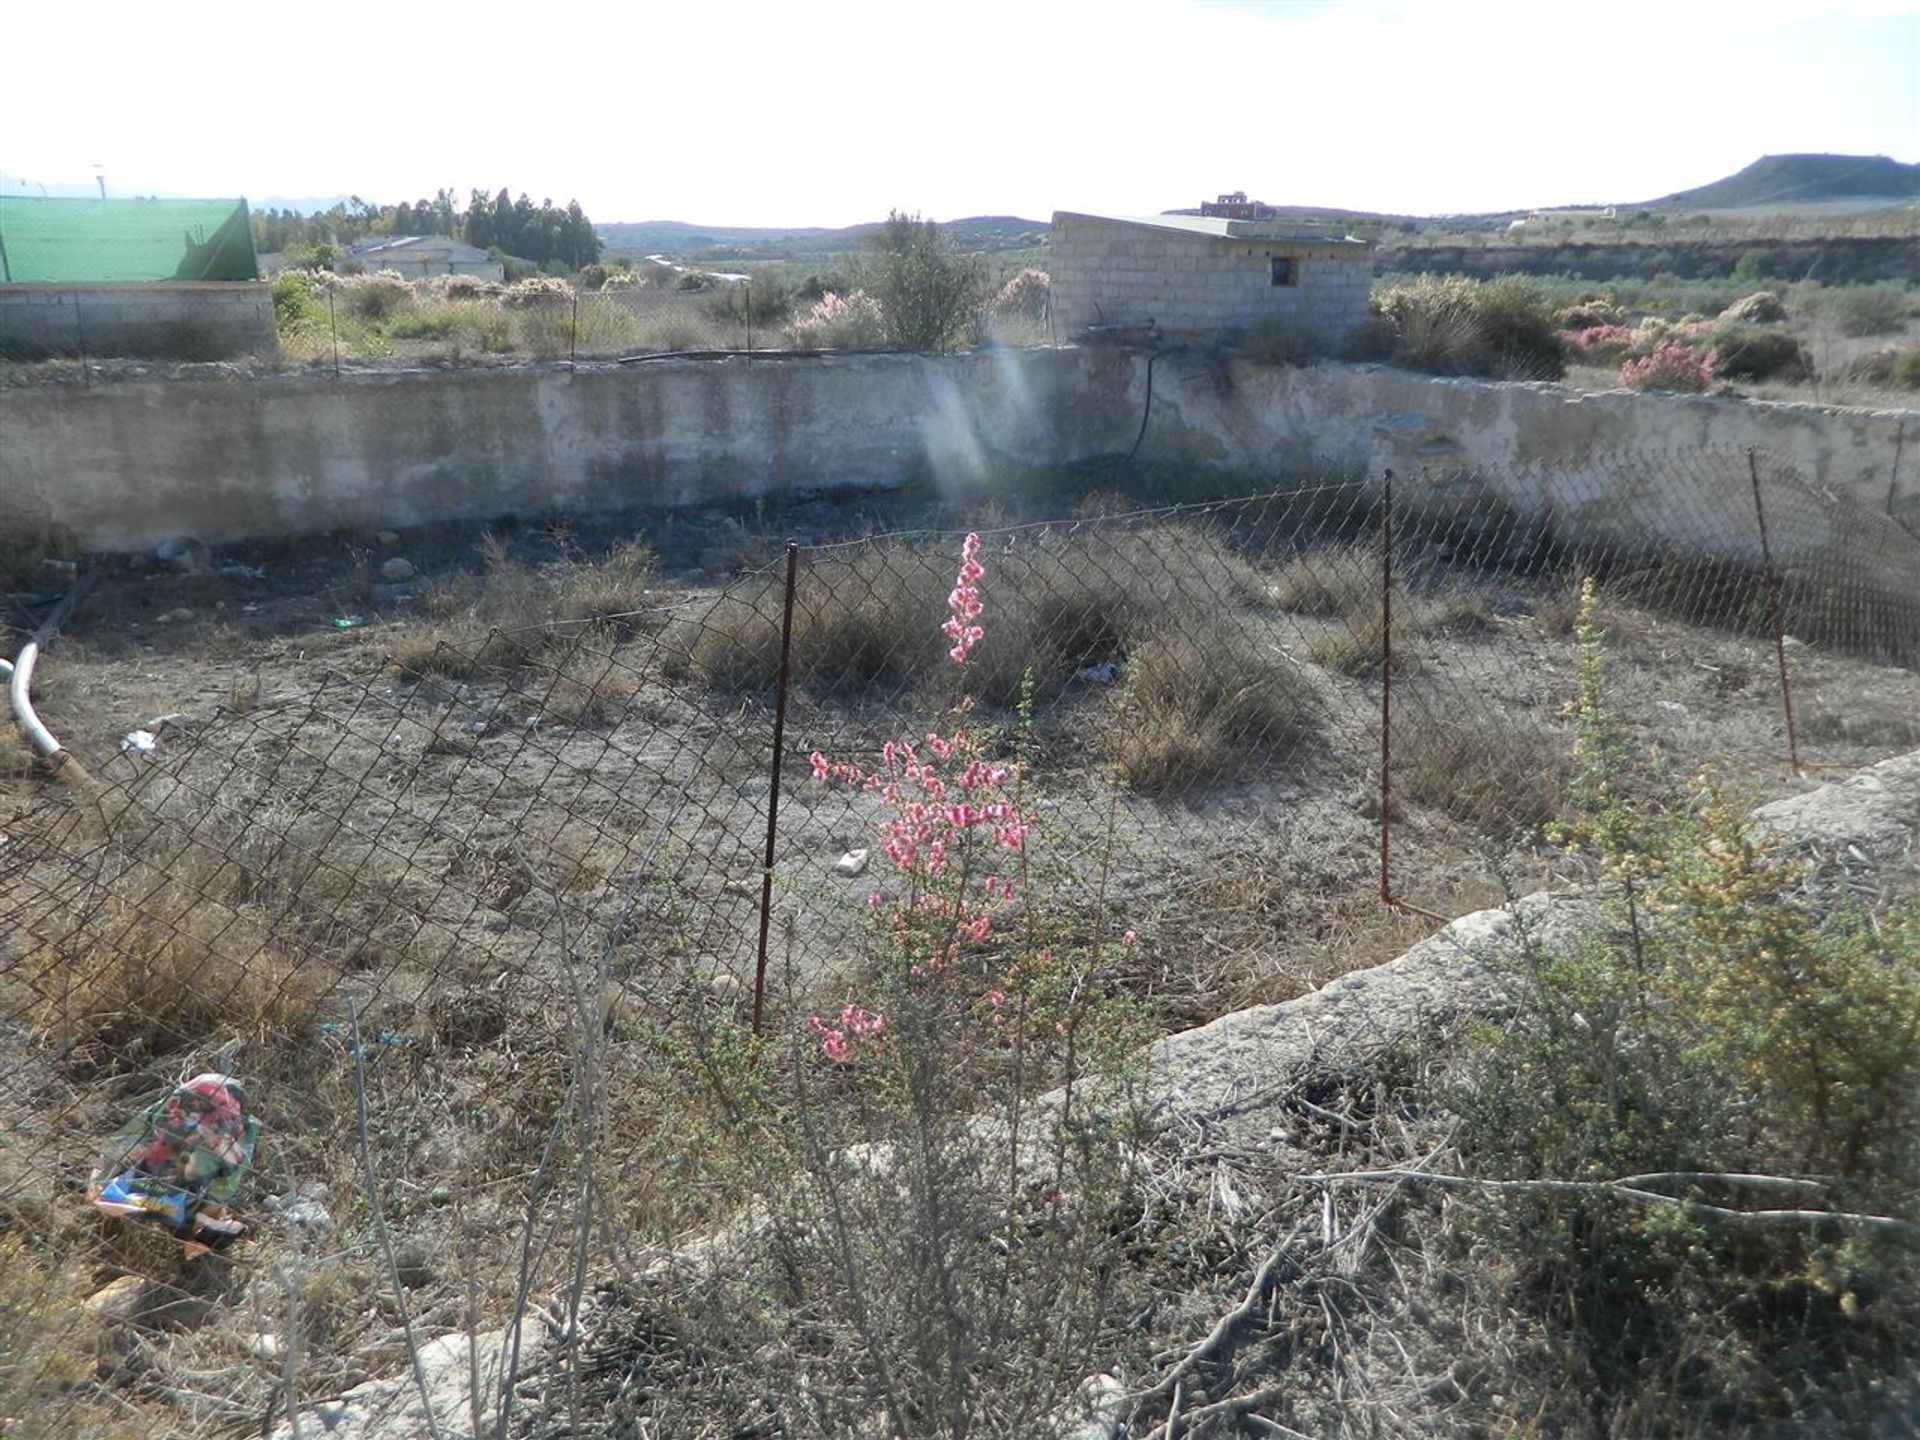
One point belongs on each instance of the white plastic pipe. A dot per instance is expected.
(19, 685)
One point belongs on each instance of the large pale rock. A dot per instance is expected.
(393, 1408)
(1876, 812)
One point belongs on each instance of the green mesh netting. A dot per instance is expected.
(51, 241)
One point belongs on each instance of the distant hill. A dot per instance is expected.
(747, 242)
(1801, 180)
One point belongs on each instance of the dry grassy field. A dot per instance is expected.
(438, 839)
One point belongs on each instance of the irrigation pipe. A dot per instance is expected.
(19, 676)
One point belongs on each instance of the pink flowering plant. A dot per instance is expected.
(1673, 365)
(962, 929)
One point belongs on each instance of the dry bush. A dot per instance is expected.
(1331, 580)
(513, 613)
(1060, 601)
(585, 686)
(1457, 609)
(160, 963)
(1498, 776)
(43, 1362)
(1192, 709)
(1357, 646)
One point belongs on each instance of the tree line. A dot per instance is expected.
(547, 234)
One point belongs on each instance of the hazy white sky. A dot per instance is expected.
(829, 113)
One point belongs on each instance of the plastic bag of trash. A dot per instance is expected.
(181, 1161)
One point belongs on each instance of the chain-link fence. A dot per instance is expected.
(447, 912)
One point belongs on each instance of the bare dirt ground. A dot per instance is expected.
(352, 787)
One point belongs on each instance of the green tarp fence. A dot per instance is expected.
(48, 241)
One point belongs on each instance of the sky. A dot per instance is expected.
(833, 113)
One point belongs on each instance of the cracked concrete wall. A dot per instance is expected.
(128, 463)
(1548, 447)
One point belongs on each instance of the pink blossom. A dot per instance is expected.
(1127, 937)
(963, 603)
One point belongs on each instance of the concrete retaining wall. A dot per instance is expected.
(1552, 447)
(127, 463)
(173, 319)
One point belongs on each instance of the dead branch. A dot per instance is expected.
(1621, 1190)
(1216, 1339)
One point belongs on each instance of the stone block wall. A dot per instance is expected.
(1108, 272)
(167, 320)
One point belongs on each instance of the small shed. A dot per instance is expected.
(421, 257)
(168, 279)
(1194, 275)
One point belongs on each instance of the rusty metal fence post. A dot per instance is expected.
(1773, 612)
(1386, 682)
(773, 788)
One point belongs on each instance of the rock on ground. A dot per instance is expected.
(393, 1409)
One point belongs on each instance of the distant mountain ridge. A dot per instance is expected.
(1801, 180)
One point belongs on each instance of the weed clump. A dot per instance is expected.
(1067, 600)
(1505, 328)
(1190, 713)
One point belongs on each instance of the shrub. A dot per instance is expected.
(836, 322)
(1905, 371)
(1593, 311)
(1500, 777)
(1455, 326)
(1862, 310)
(1025, 296)
(1066, 600)
(1726, 1022)
(764, 301)
(1602, 344)
(1433, 324)
(538, 292)
(1672, 366)
(927, 293)
(427, 322)
(1743, 352)
(1517, 326)
(165, 964)
(1332, 580)
(1763, 307)
(1191, 709)
(463, 287)
(294, 307)
(374, 297)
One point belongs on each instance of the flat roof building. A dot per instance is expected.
(1194, 275)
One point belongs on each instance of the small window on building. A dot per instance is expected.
(1284, 269)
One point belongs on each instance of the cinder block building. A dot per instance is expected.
(1196, 275)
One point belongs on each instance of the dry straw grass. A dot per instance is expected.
(1059, 601)
(1498, 776)
(1190, 711)
(160, 965)
(560, 625)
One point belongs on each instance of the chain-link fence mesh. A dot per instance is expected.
(411, 903)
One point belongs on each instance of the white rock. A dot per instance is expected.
(395, 570)
(851, 863)
(139, 742)
(388, 537)
(392, 1409)
(1098, 1411)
